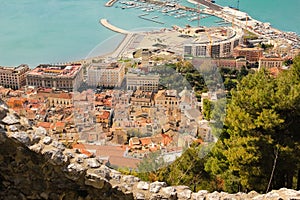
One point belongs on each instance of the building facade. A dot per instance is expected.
(218, 44)
(13, 77)
(144, 82)
(106, 75)
(251, 54)
(64, 77)
(270, 62)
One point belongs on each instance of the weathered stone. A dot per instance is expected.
(142, 185)
(58, 145)
(36, 148)
(272, 195)
(126, 187)
(140, 196)
(58, 157)
(197, 196)
(41, 131)
(130, 179)
(35, 139)
(103, 172)
(94, 180)
(10, 119)
(169, 193)
(115, 175)
(13, 128)
(69, 155)
(93, 162)
(155, 197)
(213, 196)
(25, 122)
(75, 167)
(185, 194)
(22, 137)
(156, 186)
(47, 140)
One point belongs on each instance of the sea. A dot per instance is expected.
(56, 31)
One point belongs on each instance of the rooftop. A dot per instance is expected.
(56, 70)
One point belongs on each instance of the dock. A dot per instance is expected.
(110, 3)
(106, 24)
(150, 19)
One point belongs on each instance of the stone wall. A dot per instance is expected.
(34, 166)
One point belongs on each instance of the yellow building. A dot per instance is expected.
(105, 75)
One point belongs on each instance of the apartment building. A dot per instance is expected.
(270, 62)
(64, 77)
(13, 77)
(251, 54)
(105, 75)
(144, 82)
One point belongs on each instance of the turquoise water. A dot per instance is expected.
(282, 14)
(52, 31)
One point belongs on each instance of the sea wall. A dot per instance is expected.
(34, 166)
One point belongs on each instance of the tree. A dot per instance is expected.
(260, 145)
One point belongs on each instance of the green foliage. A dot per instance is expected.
(262, 117)
(207, 109)
(259, 145)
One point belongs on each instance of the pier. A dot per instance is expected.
(110, 3)
(150, 19)
(106, 24)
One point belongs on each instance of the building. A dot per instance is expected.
(144, 82)
(64, 77)
(251, 54)
(167, 98)
(230, 62)
(212, 42)
(13, 77)
(142, 98)
(105, 75)
(270, 62)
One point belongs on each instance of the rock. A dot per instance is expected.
(36, 148)
(169, 192)
(272, 194)
(59, 158)
(289, 192)
(185, 194)
(35, 139)
(142, 185)
(69, 155)
(140, 196)
(130, 179)
(75, 167)
(126, 187)
(213, 196)
(156, 186)
(58, 145)
(259, 197)
(40, 131)
(25, 122)
(93, 162)
(47, 140)
(13, 128)
(197, 196)
(115, 174)
(103, 172)
(155, 197)
(22, 137)
(10, 119)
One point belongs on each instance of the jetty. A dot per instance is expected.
(150, 19)
(110, 3)
(106, 24)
